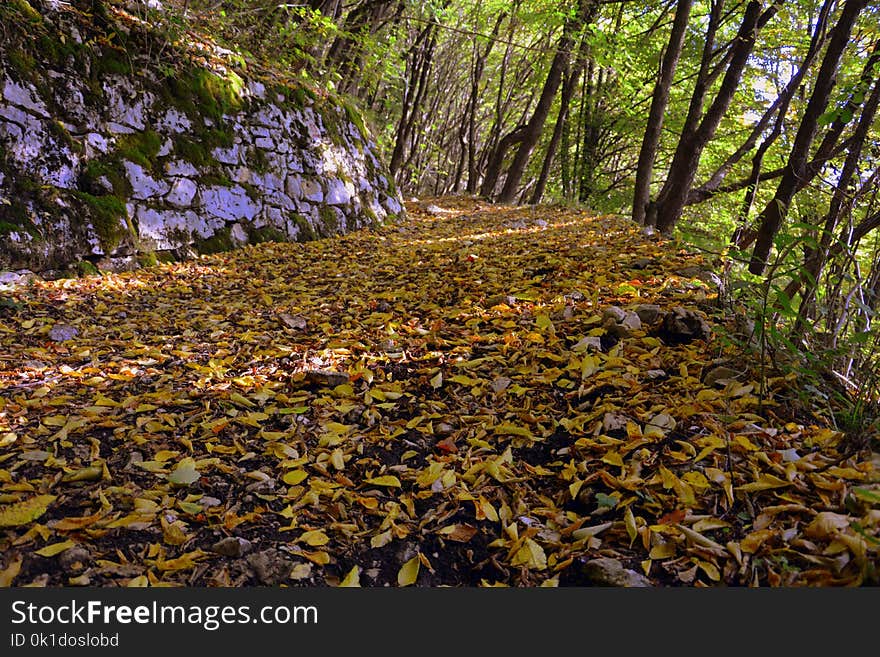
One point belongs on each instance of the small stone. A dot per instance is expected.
(610, 572)
(17, 278)
(647, 312)
(655, 375)
(182, 193)
(588, 343)
(614, 314)
(62, 332)
(75, 559)
(232, 546)
(631, 321)
(326, 378)
(271, 567)
(434, 210)
(682, 325)
(720, 376)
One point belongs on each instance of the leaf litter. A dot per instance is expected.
(487, 396)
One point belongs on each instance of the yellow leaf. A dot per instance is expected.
(437, 380)
(409, 572)
(318, 557)
(530, 555)
(314, 538)
(543, 322)
(294, 477)
(21, 513)
(8, 574)
(764, 482)
(613, 458)
(381, 540)
(238, 398)
(826, 525)
(710, 570)
(631, 528)
(337, 459)
(662, 551)
(139, 582)
(755, 539)
(55, 548)
(353, 579)
(384, 480)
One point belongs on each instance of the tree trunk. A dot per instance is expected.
(774, 213)
(659, 99)
(671, 200)
(535, 125)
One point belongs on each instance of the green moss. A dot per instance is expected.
(306, 232)
(258, 160)
(85, 268)
(329, 221)
(207, 93)
(215, 180)
(148, 259)
(355, 117)
(192, 151)
(55, 51)
(265, 234)
(108, 216)
(218, 242)
(24, 9)
(139, 147)
(112, 62)
(22, 62)
(94, 170)
(199, 152)
(164, 257)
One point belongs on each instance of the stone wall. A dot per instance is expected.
(105, 160)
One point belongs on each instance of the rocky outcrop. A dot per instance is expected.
(108, 156)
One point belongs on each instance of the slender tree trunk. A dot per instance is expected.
(659, 99)
(569, 84)
(671, 200)
(779, 108)
(774, 213)
(423, 52)
(535, 125)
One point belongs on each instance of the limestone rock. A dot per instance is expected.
(647, 312)
(271, 567)
(682, 325)
(610, 572)
(274, 166)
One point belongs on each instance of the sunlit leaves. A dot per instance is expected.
(459, 406)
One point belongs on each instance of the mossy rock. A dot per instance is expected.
(265, 234)
(147, 259)
(306, 231)
(108, 217)
(139, 147)
(217, 243)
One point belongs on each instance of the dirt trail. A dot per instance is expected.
(476, 396)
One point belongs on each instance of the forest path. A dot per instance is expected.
(477, 395)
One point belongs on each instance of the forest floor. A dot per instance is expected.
(475, 396)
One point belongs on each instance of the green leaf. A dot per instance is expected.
(607, 501)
